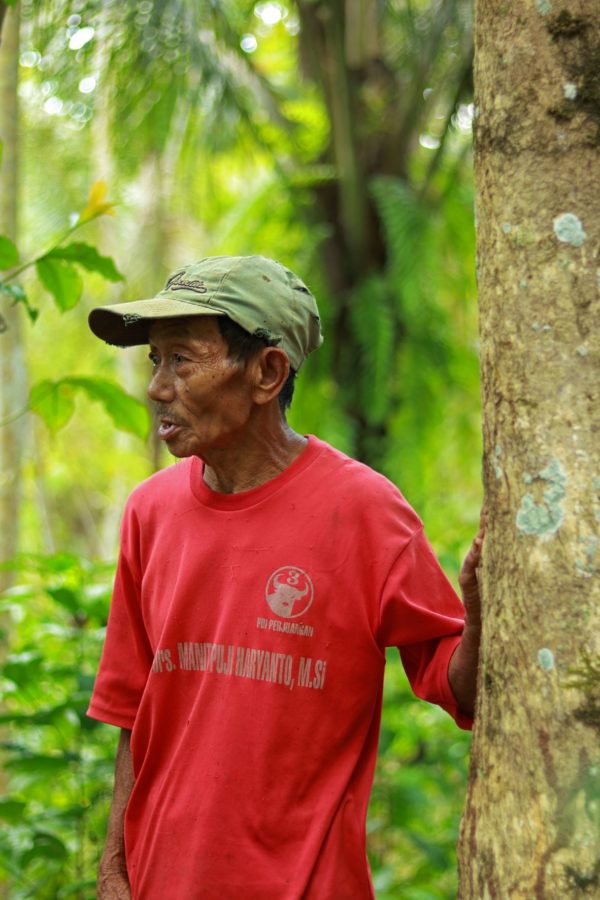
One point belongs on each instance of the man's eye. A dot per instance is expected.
(153, 359)
(178, 358)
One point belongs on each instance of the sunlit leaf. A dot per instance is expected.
(53, 401)
(9, 255)
(88, 257)
(55, 562)
(65, 597)
(62, 280)
(97, 204)
(128, 413)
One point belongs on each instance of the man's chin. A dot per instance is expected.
(179, 452)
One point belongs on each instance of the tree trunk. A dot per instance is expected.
(344, 52)
(531, 827)
(145, 278)
(13, 382)
(13, 386)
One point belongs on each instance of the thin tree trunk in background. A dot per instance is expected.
(343, 51)
(151, 274)
(147, 272)
(108, 528)
(531, 827)
(13, 382)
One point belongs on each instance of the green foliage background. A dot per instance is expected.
(210, 148)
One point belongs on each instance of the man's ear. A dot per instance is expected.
(271, 370)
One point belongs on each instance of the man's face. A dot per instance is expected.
(203, 398)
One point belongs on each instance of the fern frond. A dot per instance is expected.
(372, 325)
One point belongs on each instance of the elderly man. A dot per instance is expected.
(259, 582)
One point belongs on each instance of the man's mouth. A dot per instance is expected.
(168, 428)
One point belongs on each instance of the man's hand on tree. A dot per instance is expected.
(462, 671)
(467, 579)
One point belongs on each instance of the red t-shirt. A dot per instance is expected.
(246, 649)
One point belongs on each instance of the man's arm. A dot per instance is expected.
(462, 671)
(113, 883)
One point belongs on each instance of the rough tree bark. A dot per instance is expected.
(531, 827)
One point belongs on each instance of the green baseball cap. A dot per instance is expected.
(257, 293)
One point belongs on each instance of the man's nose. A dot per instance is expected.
(160, 389)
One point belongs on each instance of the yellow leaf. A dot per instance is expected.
(97, 204)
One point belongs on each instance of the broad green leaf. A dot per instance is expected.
(128, 413)
(45, 846)
(65, 597)
(62, 280)
(71, 814)
(17, 295)
(11, 810)
(49, 716)
(56, 562)
(23, 668)
(53, 401)
(9, 255)
(87, 256)
(37, 763)
(434, 853)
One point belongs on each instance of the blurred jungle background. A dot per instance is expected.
(333, 135)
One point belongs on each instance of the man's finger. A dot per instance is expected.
(468, 573)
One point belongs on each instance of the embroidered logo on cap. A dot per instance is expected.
(177, 282)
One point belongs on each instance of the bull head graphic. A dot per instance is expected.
(283, 596)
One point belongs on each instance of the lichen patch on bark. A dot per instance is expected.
(545, 517)
(545, 659)
(569, 230)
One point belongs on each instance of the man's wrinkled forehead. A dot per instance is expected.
(181, 327)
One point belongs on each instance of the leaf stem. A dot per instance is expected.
(31, 262)
(14, 416)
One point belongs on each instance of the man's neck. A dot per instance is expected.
(260, 459)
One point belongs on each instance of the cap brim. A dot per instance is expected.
(128, 324)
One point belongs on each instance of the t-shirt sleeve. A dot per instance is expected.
(127, 654)
(422, 615)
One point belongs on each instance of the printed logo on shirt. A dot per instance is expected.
(289, 592)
